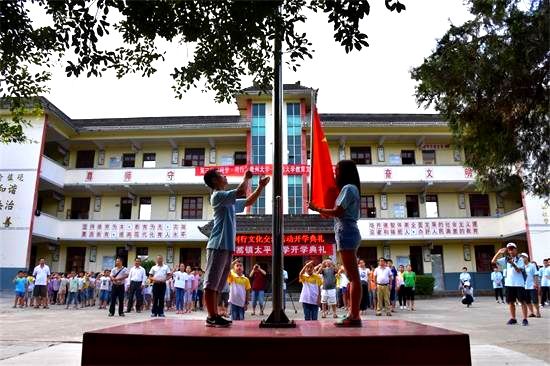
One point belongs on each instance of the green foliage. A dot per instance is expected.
(231, 38)
(489, 78)
(147, 264)
(424, 285)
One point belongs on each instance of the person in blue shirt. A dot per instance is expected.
(544, 275)
(531, 284)
(348, 238)
(514, 281)
(496, 278)
(20, 289)
(221, 244)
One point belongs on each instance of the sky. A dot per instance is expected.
(373, 80)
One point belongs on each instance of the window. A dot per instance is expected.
(368, 209)
(361, 155)
(294, 133)
(257, 132)
(142, 252)
(428, 157)
(259, 207)
(125, 208)
(145, 208)
(295, 202)
(412, 206)
(407, 157)
(240, 158)
(193, 157)
(149, 160)
(432, 209)
(192, 208)
(80, 208)
(479, 205)
(129, 160)
(85, 158)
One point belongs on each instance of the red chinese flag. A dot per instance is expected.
(323, 185)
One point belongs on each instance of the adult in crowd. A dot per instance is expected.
(41, 274)
(364, 276)
(383, 277)
(159, 274)
(496, 279)
(514, 281)
(531, 284)
(118, 276)
(137, 278)
(409, 279)
(258, 276)
(393, 282)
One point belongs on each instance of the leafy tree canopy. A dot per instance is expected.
(489, 79)
(232, 39)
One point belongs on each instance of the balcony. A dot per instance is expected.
(506, 226)
(411, 176)
(52, 228)
(52, 172)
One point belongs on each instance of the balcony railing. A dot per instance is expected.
(118, 230)
(415, 173)
(52, 171)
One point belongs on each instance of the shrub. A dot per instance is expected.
(147, 264)
(425, 285)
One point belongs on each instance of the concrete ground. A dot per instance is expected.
(54, 336)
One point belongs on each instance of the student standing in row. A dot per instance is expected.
(531, 280)
(496, 278)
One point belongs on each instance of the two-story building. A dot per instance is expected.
(86, 190)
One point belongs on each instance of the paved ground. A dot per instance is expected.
(54, 336)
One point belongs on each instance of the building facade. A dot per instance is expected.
(87, 190)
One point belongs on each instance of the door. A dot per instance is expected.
(412, 206)
(484, 254)
(125, 208)
(122, 252)
(190, 257)
(369, 255)
(438, 268)
(80, 208)
(32, 262)
(85, 159)
(417, 262)
(75, 259)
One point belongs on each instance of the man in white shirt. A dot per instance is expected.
(514, 280)
(383, 277)
(118, 276)
(159, 274)
(137, 279)
(41, 274)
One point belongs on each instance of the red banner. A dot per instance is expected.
(264, 250)
(257, 169)
(249, 245)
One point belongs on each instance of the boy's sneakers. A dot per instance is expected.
(512, 321)
(524, 322)
(217, 322)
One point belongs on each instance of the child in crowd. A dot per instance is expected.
(311, 291)
(188, 297)
(91, 289)
(63, 286)
(168, 293)
(74, 284)
(239, 291)
(223, 304)
(343, 283)
(467, 294)
(196, 276)
(105, 289)
(179, 284)
(200, 289)
(328, 271)
(20, 289)
(148, 294)
(30, 289)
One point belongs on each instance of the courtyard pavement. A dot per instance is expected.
(54, 336)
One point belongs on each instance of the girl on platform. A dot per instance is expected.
(348, 238)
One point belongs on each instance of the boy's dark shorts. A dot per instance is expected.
(218, 265)
(514, 293)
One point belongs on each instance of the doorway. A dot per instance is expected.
(85, 159)
(484, 254)
(75, 259)
(191, 257)
(417, 261)
(80, 208)
(413, 209)
(369, 255)
(293, 266)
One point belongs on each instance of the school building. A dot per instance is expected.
(83, 191)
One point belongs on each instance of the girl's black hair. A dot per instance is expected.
(348, 174)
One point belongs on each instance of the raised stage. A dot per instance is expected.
(189, 342)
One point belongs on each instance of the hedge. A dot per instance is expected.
(425, 285)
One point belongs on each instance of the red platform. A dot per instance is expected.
(189, 342)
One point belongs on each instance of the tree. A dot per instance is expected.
(489, 79)
(232, 39)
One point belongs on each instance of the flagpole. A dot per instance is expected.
(277, 318)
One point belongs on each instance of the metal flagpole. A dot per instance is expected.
(277, 318)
